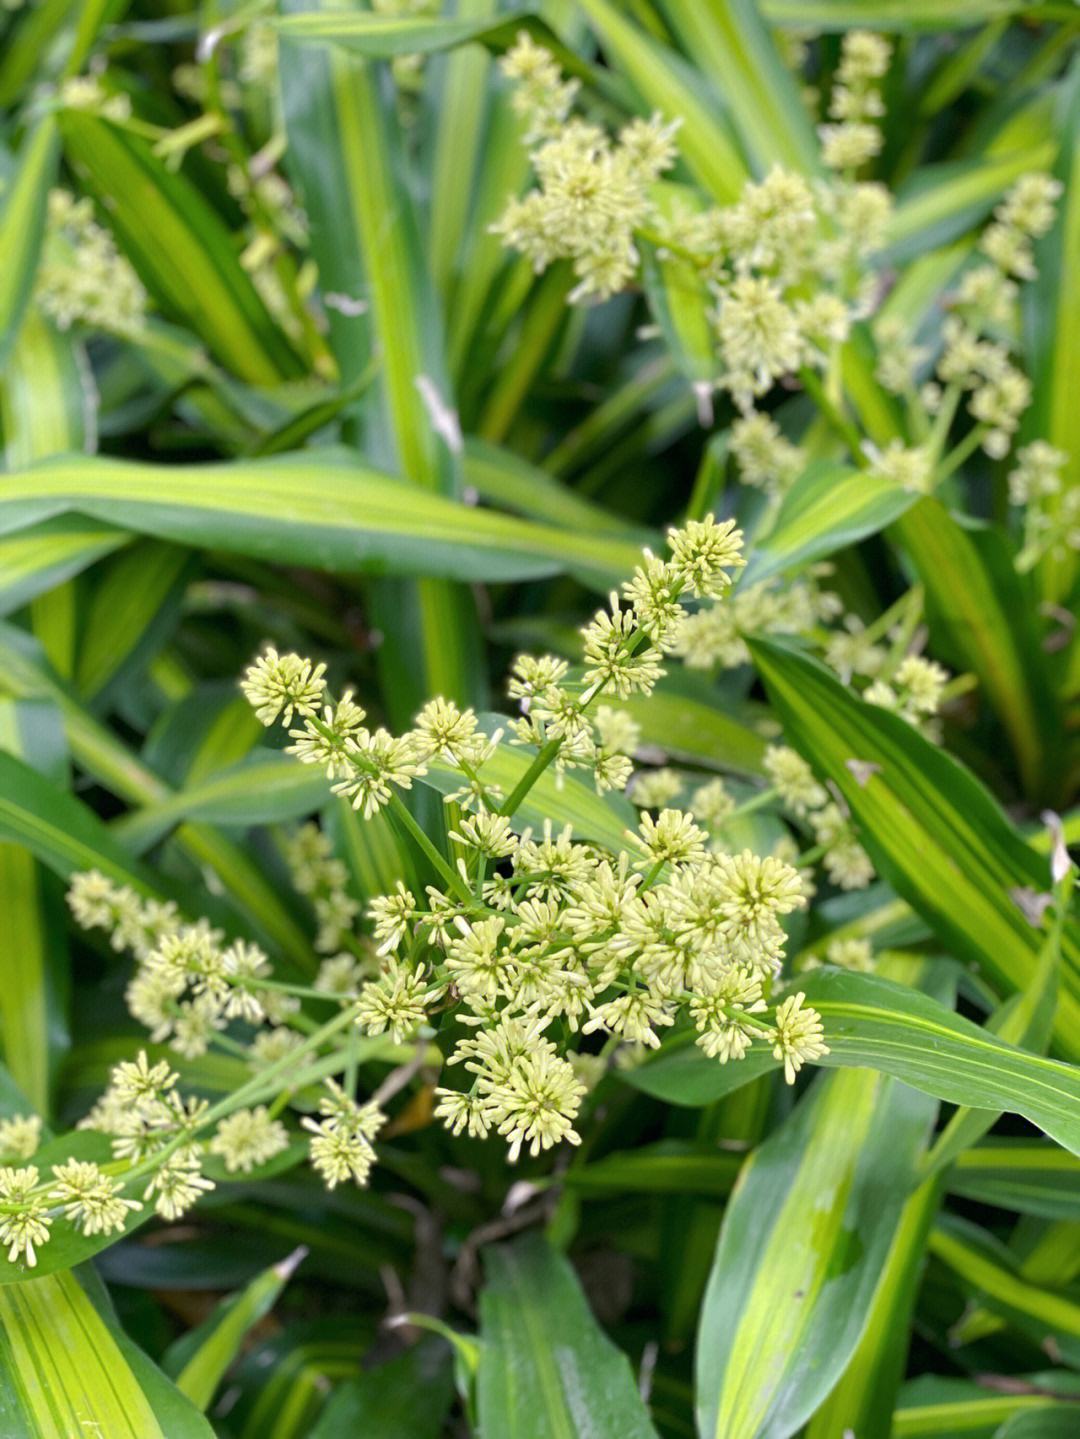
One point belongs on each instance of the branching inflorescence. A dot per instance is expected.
(531, 941)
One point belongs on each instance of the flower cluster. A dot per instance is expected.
(323, 878)
(20, 1136)
(766, 459)
(533, 936)
(790, 268)
(82, 277)
(713, 636)
(975, 361)
(81, 1192)
(1050, 508)
(786, 263)
(914, 690)
(161, 1138)
(188, 984)
(592, 192)
(341, 1148)
(855, 103)
(86, 92)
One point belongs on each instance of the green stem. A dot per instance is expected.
(847, 431)
(531, 775)
(960, 452)
(757, 801)
(239, 1097)
(449, 874)
(302, 991)
(943, 419)
(810, 856)
(908, 625)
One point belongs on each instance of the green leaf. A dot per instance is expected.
(671, 1166)
(264, 788)
(862, 1402)
(687, 718)
(324, 170)
(1053, 344)
(1025, 1020)
(33, 38)
(199, 1360)
(680, 303)
(47, 394)
(1042, 1313)
(180, 247)
(59, 830)
(22, 225)
(41, 557)
(415, 429)
(731, 42)
(475, 322)
(1031, 1177)
(327, 511)
(382, 37)
(68, 1370)
(547, 1371)
(873, 1023)
(409, 1395)
(802, 1246)
(666, 83)
(933, 832)
(33, 1021)
(1043, 1253)
(377, 856)
(285, 1378)
(1057, 1423)
(983, 617)
(828, 508)
(944, 201)
(463, 92)
(935, 1410)
(503, 478)
(207, 729)
(902, 16)
(132, 607)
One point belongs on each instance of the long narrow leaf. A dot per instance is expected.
(873, 1023)
(803, 1242)
(180, 247)
(935, 834)
(22, 224)
(333, 513)
(198, 1362)
(547, 1371)
(68, 1371)
(829, 507)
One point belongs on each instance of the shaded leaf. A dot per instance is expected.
(934, 833)
(547, 1371)
(331, 512)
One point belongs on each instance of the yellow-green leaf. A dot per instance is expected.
(67, 1371)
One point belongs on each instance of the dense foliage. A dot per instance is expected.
(539, 694)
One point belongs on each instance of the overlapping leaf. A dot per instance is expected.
(935, 834)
